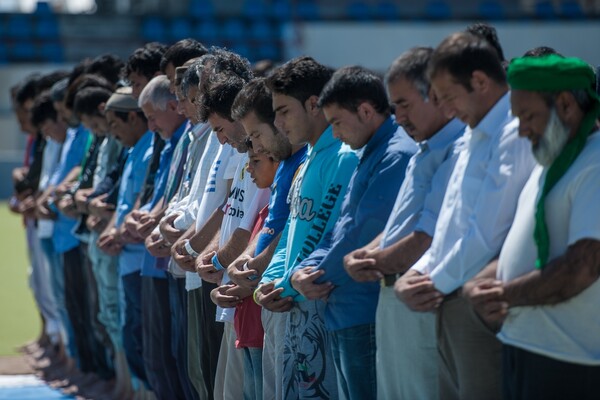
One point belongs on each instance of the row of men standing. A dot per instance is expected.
(256, 245)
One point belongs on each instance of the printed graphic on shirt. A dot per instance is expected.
(308, 368)
(235, 201)
(211, 185)
(302, 208)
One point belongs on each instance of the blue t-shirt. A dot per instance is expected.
(71, 156)
(279, 208)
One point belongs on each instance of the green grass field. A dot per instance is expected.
(19, 320)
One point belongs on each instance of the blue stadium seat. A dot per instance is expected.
(154, 30)
(233, 29)
(281, 9)
(386, 10)
(47, 28)
(359, 11)
(3, 53)
(254, 9)
(202, 9)
(52, 52)
(242, 49)
(181, 28)
(437, 9)
(491, 9)
(19, 26)
(22, 51)
(571, 9)
(262, 30)
(267, 52)
(207, 31)
(307, 10)
(544, 10)
(43, 8)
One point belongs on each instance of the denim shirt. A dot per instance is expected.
(368, 202)
(152, 266)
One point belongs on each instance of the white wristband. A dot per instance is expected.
(188, 247)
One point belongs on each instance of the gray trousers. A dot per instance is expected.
(407, 355)
(470, 354)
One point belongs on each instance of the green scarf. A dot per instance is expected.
(555, 73)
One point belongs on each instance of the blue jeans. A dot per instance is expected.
(354, 357)
(132, 324)
(253, 373)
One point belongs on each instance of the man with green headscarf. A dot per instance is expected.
(544, 287)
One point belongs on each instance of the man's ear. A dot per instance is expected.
(172, 104)
(567, 108)
(311, 105)
(480, 82)
(365, 111)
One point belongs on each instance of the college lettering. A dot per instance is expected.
(317, 230)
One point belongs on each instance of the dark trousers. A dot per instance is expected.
(178, 304)
(103, 344)
(530, 376)
(78, 297)
(133, 343)
(212, 333)
(161, 367)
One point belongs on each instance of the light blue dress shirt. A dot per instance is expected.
(132, 180)
(421, 194)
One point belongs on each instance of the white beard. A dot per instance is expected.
(552, 141)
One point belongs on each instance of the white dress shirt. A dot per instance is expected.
(480, 200)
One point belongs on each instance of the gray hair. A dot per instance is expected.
(191, 77)
(157, 93)
(412, 66)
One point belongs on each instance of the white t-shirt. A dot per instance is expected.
(569, 331)
(240, 205)
(215, 192)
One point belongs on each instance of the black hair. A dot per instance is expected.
(262, 68)
(180, 52)
(107, 66)
(191, 77)
(35, 84)
(43, 110)
(219, 61)
(487, 32)
(123, 115)
(351, 86)
(541, 51)
(412, 66)
(218, 99)
(461, 54)
(254, 97)
(88, 99)
(82, 82)
(299, 78)
(145, 61)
